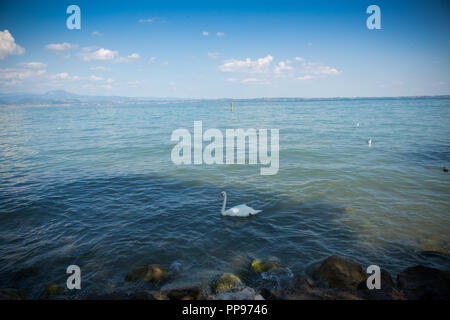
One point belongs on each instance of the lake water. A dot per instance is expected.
(95, 186)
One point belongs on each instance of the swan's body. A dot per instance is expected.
(369, 142)
(241, 210)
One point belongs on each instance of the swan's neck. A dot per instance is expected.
(224, 203)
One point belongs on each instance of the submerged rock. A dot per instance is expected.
(303, 288)
(155, 273)
(13, 294)
(186, 293)
(423, 283)
(227, 282)
(136, 274)
(52, 289)
(26, 273)
(239, 293)
(338, 272)
(259, 265)
(149, 273)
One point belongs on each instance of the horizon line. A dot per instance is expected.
(226, 98)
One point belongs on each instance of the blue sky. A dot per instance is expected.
(236, 49)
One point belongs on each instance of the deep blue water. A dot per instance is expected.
(95, 186)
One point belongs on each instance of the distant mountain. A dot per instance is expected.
(61, 94)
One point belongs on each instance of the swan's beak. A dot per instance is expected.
(220, 195)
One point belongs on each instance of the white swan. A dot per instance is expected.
(369, 142)
(241, 210)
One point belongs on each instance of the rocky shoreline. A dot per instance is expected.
(336, 278)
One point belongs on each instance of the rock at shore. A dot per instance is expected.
(13, 294)
(423, 283)
(303, 288)
(227, 282)
(338, 272)
(185, 293)
(52, 290)
(239, 293)
(386, 281)
(388, 290)
(259, 265)
(149, 273)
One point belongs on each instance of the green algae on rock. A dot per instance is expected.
(227, 282)
(338, 272)
(52, 289)
(259, 265)
(149, 273)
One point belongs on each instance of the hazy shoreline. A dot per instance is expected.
(64, 98)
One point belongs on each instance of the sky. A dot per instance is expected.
(226, 49)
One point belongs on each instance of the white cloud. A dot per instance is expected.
(134, 56)
(60, 46)
(61, 76)
(96, 33)
(260, 71)
(283, 66)
(8, 45)
(95, 78)
(249, 80)
(33, 65)
(102, 54)
(213, 55)
(152, 59)
(64, 76)
(148, 20)
(317, 68)
(101, 68)
(11, 82)
(130, 58)
(220, 34)
(205, 33)
(306, 77)
(19, 74)
(28, 71)
(248, 65)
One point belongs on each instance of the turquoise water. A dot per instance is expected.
(95, 186)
